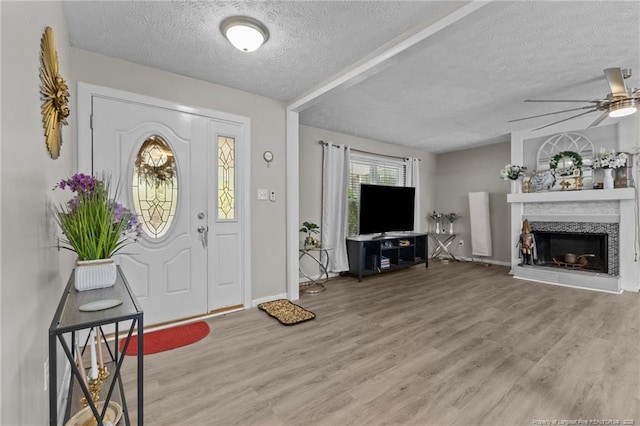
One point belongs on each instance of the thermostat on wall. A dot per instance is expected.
(268, 157)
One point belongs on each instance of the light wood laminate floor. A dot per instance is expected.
(454, 344)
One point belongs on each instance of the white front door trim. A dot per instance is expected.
(87, 91)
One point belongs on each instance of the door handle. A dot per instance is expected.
(204, 235)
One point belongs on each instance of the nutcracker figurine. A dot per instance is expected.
(527, 245)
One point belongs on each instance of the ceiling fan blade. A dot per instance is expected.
(567, 119)
(559, 100)
(616, 82)
(550, 113)
(599, 119)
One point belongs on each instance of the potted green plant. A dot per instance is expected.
(310, 228)
(95, 227)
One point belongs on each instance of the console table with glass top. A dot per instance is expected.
(68, 324)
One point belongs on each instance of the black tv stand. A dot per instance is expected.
(381, 236)
(374, 254)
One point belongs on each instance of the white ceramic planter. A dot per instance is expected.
(92, 274)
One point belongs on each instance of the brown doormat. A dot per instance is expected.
(286, 312)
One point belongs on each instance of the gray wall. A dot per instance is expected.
(446, 180)
(267, 133)
(311, 169)
(473, 170)
(33, 273)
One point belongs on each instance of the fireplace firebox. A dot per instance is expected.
(570, 250)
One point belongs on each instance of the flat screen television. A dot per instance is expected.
(386, 208)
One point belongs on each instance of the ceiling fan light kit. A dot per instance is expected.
(244, 33)
(619, 103)
(623, 108)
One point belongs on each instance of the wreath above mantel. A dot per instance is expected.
(566, 171)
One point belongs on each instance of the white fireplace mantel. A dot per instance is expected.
(602, 205)
(568, 196)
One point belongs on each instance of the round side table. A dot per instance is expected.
(315, 285)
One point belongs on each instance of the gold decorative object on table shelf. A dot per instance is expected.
(84, 417)
(95, 386)
(97, 374)
(54, 94)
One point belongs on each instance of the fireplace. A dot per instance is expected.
(607, 218)
(572, 250)
(598, 241)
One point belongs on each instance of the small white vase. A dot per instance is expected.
(451, 227)
(437, 227)
(517, 186)
(608, 179)
(92, 274)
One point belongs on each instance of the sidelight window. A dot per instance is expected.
(226, 178)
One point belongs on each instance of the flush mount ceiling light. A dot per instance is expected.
(623, 108)
(246, 34)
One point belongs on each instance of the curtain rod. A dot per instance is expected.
(371, 153)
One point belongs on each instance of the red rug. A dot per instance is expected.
(167, 339)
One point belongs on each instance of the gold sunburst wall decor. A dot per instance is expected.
(54, 94)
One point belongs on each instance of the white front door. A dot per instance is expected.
(188, 259)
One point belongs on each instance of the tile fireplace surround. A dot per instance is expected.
(610, 211)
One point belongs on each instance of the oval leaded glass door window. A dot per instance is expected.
(155, 186)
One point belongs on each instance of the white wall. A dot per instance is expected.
(472, 170)
(267, 133)
(33, 272)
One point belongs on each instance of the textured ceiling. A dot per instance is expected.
(457, 88)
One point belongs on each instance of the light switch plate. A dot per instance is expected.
(263, 194)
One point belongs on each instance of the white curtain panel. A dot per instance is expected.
(335, 182)
(480, 225)
(413, 179)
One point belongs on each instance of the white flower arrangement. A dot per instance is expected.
(453, 217)
(610, 159)
(436, 217)
(512, 172)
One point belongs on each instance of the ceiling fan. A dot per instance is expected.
(618, 103)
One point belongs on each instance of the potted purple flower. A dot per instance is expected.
(95, 227)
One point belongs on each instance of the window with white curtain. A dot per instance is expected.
(372, 169)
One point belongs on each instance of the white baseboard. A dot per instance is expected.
(256, 302)
(471, 259)
(63, 392)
